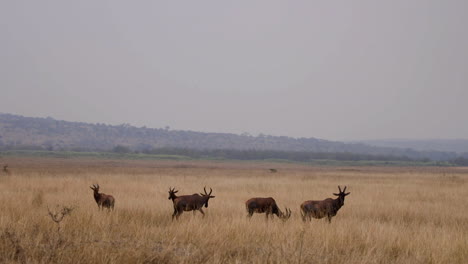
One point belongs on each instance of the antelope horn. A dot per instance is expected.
(344, 190)
(339, 189)
(211, 190)
(285, 216)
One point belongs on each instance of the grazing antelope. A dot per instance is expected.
(189, 202)
(319, 209)
(103, 200)
(266, 205)
(5, 169)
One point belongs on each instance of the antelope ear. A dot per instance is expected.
(176, 191)
(211, 196)
(346, 194)
(91, 188)
(336, 194)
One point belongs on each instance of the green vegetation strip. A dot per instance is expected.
(100, 155)
(142, 156)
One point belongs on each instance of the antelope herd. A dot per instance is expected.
(195, 202)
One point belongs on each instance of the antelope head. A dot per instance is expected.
(172, 193)
(207, 195)
(341, 195)
(95, 188)
(286, 215)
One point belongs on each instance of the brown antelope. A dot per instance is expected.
(189, 202)
(5, 169)
(319, 209)
(103, 200)
(266, 205)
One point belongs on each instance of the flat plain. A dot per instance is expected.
(393, 214)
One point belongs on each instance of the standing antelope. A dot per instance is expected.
(266, 205)
(319, 209)
(189, 202)
(103, 200)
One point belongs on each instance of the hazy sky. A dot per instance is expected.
(338, 70)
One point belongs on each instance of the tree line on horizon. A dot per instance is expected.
(18, 132)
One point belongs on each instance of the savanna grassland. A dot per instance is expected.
(393, 215)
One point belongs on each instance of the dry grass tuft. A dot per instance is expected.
(393, 215)
(37, 199)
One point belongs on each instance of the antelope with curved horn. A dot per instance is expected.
(189, 202)
(102, 199)
(328, 207)
(266, 205)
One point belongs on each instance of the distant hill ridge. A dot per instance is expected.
(47, 133)
(447, 145)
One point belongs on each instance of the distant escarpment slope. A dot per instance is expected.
(446, 145)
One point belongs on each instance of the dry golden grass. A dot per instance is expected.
(393, 215)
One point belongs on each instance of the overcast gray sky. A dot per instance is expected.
(339, 70)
